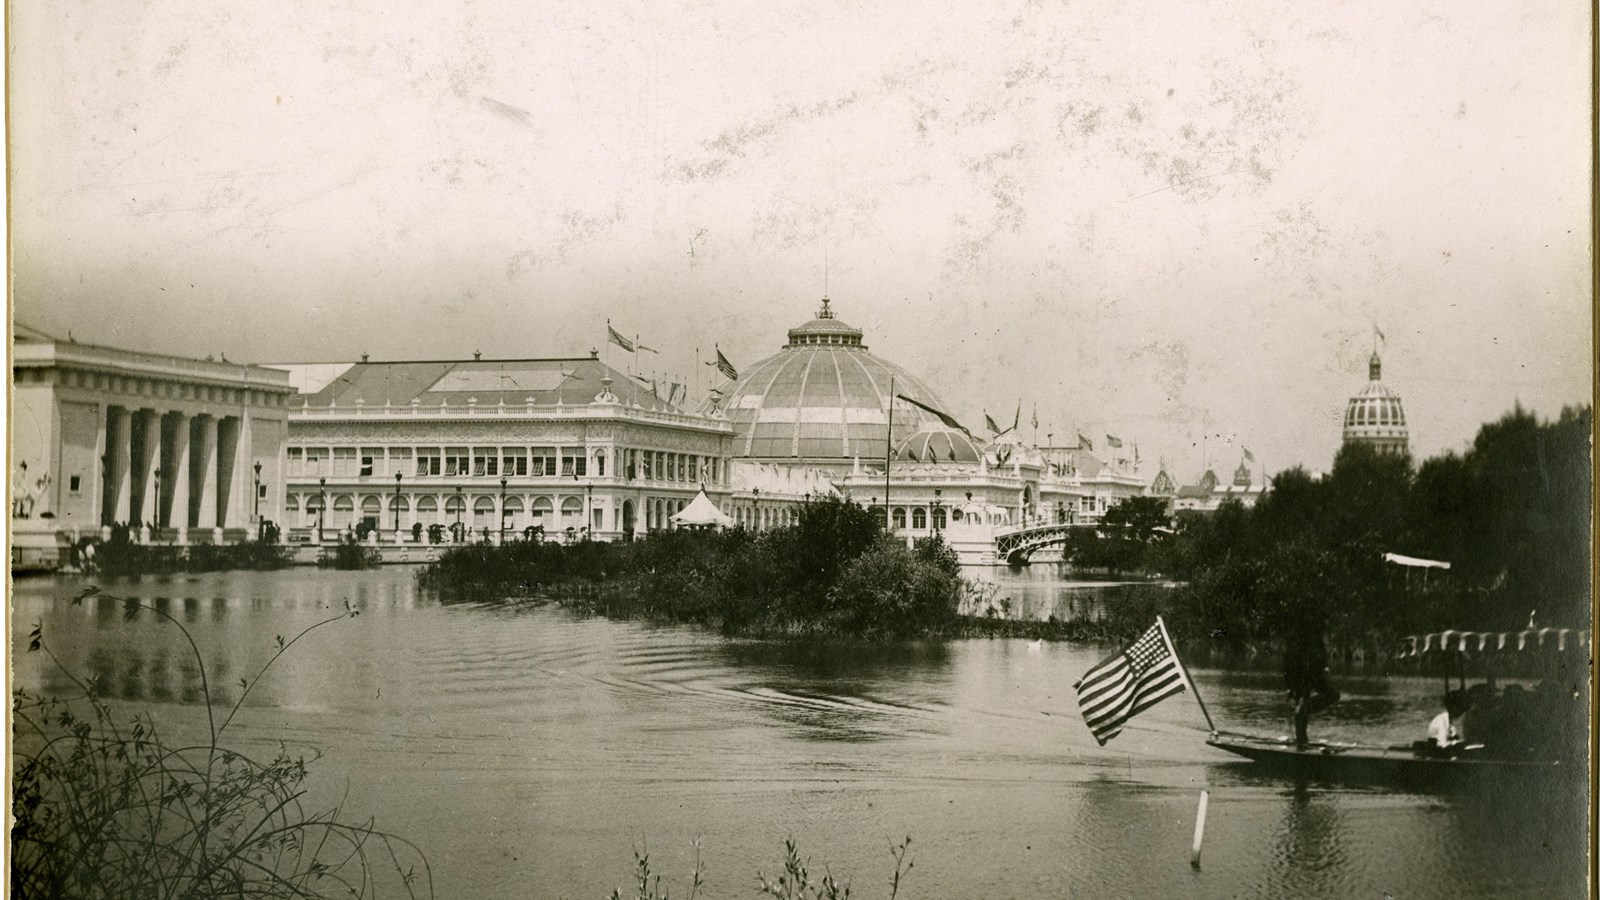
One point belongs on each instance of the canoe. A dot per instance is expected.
(1399, 766)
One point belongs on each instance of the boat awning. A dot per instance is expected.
(1414, 562)
(1560, 640)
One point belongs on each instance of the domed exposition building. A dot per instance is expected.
(821, 405)
(820, 401)
(1375, 416)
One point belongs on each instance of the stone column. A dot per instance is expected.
(205, 471)
(150, 458)
(228, 490)
(119, 455)
(175, 472)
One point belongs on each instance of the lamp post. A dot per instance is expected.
(106, 510)
(502, 510)
(755, 506)
(159, 523)
(938, 506)
(322, 504)
(456, 534)
(397, 477)
(257, 510)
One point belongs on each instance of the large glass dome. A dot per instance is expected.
(1375, 415)
(821, 400)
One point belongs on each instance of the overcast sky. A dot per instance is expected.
(1161, 225)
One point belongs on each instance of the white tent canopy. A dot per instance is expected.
(1414, 562)
(701, 511)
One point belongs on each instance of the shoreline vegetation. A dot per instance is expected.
(108, 806)
(1511, 513)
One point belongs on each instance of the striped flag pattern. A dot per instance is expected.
(619, 340)
(1132, 681)
(725, 367)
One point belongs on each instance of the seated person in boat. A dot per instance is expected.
(1442, 731)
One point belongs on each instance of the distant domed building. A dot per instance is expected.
(821, 400)
(1375, 416)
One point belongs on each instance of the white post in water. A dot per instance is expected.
(1199, 830)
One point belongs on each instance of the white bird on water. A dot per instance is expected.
(1036, 646)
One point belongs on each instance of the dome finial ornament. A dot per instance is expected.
(825, 312)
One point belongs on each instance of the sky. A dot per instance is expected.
(1180, 224)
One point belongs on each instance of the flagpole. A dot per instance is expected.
(1187, 680)
(888, 451)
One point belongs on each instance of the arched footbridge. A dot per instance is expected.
(1017, 543)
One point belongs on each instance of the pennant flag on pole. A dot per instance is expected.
(1085, 443)
(640, 348)
(948, 420)
(1018, 420)
(1135, 679)
(618, 339)
(1035, 418)
(990, 423)
(1113, 442)
(1248, 455)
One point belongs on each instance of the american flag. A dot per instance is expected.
(725, 367)
(1128, 683)
(619, 340)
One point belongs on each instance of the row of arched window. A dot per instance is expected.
(1382, 411)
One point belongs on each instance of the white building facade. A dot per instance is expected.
(178, 450)
(448, 451)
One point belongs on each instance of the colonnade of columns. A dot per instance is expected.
(169, 469)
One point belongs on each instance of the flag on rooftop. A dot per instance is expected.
(725, 367)
(1248, 455)
(619, 340)
(1135, 679)
(948, 420)
(1113, 442)
(1085, 443)
(1035, 417)
(990, 423)
(638, 347)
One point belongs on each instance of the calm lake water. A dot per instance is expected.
(529, 752)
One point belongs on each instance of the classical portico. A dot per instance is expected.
(162, 444)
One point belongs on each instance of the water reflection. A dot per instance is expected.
(833, 691)
(1307, 845)
(1051, 590)
(530, 748)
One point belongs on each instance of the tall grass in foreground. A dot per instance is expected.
(108, 808)
(795, 882)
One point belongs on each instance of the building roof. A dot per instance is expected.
(1376, 413)
(823, 397)
(513, 382)
(937, 444)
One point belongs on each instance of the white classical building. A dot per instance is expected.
(491, 449)
(180, 450)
